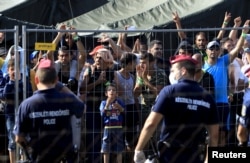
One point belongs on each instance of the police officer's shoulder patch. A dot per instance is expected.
(243, 110)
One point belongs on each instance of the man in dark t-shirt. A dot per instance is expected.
(45, 119)
(204, 78)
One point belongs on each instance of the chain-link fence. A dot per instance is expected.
(137, 108)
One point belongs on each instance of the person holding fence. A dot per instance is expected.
(200, 40)
(71, 57)
(66, 68)
(43, 127)
(184, 109)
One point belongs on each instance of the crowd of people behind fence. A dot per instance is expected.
(113, 91)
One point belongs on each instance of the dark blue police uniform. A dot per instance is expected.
(45, 117)
(186, 107)
(244, 119)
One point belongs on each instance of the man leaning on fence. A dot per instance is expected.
(43, 125)
(184, 108)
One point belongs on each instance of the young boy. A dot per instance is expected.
(8, 95)
(112, 110)
(125, 82)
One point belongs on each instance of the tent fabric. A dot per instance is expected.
(9, 23)
(115, 14)
(9, 4)
(142, 14)
(46, 12)
(102, 15)
(210, 17)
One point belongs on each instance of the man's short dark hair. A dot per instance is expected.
(110, 85)
(201, 33)
(190, 67)
(46, 75)
(225, 39)
(189, 48)
(127, 58)
(147, 56)
(153, 42)
(65, 49)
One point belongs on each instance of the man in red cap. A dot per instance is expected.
(46, 118)
(184, 109)
(94, 52)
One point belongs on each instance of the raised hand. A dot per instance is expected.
(246, 27)
(175, 17)
(104, 38)
(73, 33)
(227, 17)
(237, 21)
(62, 27)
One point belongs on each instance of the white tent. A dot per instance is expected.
(115, 14)
(142, 14)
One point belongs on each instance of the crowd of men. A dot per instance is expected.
(117, 99)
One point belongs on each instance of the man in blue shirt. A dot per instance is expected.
(218, 67)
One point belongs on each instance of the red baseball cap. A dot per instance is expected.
(96, 49)
(181, 57)
(45, 63)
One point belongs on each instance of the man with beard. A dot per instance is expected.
(200, 41)
(155, 48)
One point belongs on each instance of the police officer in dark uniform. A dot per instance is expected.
(43, 127)
(184, 109)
